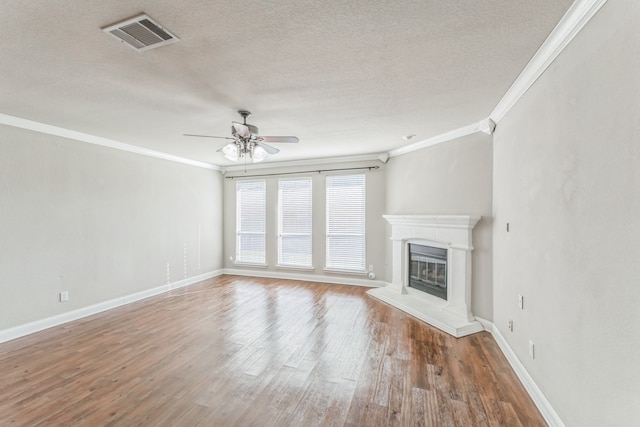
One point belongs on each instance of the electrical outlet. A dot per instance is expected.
(521, 301)
(511, 325)
(64, 296)
(532, 352)
(371, 268)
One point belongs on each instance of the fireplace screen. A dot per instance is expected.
(428, 269)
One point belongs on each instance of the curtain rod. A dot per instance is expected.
(297, 173)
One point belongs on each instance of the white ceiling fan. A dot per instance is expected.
(247, 143)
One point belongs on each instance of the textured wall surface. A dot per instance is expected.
(567, 179)
(98, 223)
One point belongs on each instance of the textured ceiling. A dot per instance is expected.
(347, 78)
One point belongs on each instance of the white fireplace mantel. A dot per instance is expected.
(451, 232)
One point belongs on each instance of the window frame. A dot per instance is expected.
(239, 259)
(330, 265)
(280, 226)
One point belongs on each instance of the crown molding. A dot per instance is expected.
(578, 15)
(481, 126)
(305, 162)
(92, 139)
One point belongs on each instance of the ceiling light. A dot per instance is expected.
(244, 148)
(230, 151)
(259, 154)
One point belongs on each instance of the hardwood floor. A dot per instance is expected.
(238, 351)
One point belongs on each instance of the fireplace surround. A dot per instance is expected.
(452, 234)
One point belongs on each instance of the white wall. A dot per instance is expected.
(452, 178)
(375, 227)
(97, 222)
(567, 179)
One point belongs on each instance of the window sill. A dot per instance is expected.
(293, 267)
(249, 265)
(350, 272)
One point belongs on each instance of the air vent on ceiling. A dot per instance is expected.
(141, 33)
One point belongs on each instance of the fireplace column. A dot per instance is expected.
(459, 300)
(398, 265)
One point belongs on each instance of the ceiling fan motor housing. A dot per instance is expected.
(253, 129)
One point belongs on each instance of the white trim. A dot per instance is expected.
(250, 265)
(486, 324)
(293, 267)
(305, 277)
(18, 122)
(438, 139)
(39, 325)
(348, 272)
(578, 15)
(306, 162)
(539, 399)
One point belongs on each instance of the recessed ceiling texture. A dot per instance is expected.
(347, 78)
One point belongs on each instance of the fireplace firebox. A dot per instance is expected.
(428, 269)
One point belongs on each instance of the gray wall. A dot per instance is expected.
(375, 227)
(97, 222)
(453, 178)
(567, 179)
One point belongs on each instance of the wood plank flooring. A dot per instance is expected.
(238, 351)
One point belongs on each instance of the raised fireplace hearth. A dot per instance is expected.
(431, 270)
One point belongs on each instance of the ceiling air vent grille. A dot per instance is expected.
(141, 33)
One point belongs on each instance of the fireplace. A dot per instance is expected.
(428, 269)
(432, 271)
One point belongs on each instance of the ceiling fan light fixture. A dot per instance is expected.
(247, 143)
(259, 154)
(230, 151)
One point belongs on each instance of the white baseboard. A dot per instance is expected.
(323, 278)
(39, 325)
(539, 399)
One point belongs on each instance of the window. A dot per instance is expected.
(294, 222)
(346, 223)
(250, 222)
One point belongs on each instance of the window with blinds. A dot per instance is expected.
(250, 222)
(294, 222)
(346, 223)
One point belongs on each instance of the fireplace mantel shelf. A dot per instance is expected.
(452, 232)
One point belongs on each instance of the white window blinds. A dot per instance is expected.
(346, 222)
(250, 222)
(294, 222)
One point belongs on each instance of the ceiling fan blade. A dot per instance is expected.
(208, 136)
(293, 139)
(238, 129)
(269, 149)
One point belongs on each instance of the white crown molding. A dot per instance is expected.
(481, 126)
(539, 399)
(578, 15)
(92, 139)
(49, 322)
(305, 162)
